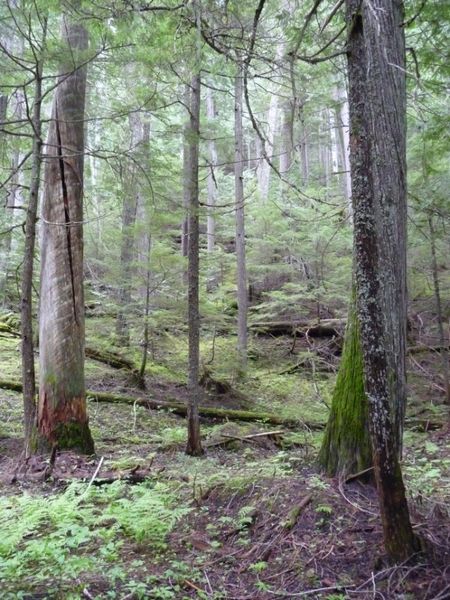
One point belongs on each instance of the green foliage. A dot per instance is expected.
(62, 533)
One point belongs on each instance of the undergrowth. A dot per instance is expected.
(81, 530)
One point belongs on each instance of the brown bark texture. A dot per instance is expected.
(376, 62)
(26, 308)
(194, 446)
(241, 266)
(62, 415)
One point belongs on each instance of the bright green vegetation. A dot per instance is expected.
(121, 538)
(51, 541)
(346, 445)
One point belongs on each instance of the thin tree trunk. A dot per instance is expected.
(129, 211)
(265, 168)
(437, 296)
(145, 343)
(342, 119)
(378, 163)
(194, 447)
(303, 145)
(62, 414)
(186, 172)
(212, 186)
(26, 305)
(286, 138)
(241, 266)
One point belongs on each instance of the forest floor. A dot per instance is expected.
(252, 519)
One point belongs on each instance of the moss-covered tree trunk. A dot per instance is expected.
(377, 100)
(62, 414)
(346, 445)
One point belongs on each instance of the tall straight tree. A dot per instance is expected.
(240, 220)
(62, 413)
(377, 101)
(26, 308)
(194, 446)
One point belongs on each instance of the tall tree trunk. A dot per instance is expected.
(303, 147)
(26, 305)
(376, 64)
(129, 211)
(286, 137)
(265, 168)
(342, 119)
(212, 186)
(145, 342)
(62, 414)
(437, 296)
(241, 266)
(186, 171)
(194, 447)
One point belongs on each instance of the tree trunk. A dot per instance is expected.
(212, 187)
(437, 296)
(303, 145)
(376, 65)
(62, 414)
(286, 137)
(241, 267)
(346, 445)
(342, 119)
(194, 447)
(145, 342)
(129, 211)
(186, 171)
(26, 305)
(265, 168)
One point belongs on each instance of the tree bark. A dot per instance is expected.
(129, 211)
(26, 304)
(241, 267)
(376, 64)
(194, 446)
(186, 171)
(212, 186)
(62, 414)
(342, 119)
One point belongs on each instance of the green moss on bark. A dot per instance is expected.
(75, 436)
(346, 446)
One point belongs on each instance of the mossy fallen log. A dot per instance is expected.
(179, 408)
(211, 412)
(313, 329)
(112, 359)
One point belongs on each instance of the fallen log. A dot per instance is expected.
(295, 512)
(276, 328)
(422, 349)
(114, 360)
(179, 408)
(312, 329)
(211, 412)
(228, 438)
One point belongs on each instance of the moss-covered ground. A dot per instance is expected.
(250, 520)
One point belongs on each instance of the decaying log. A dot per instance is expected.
(114, 360)
(422, 349)
(178, 408)
(296, 511)
(312, 329)
(228, 438)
